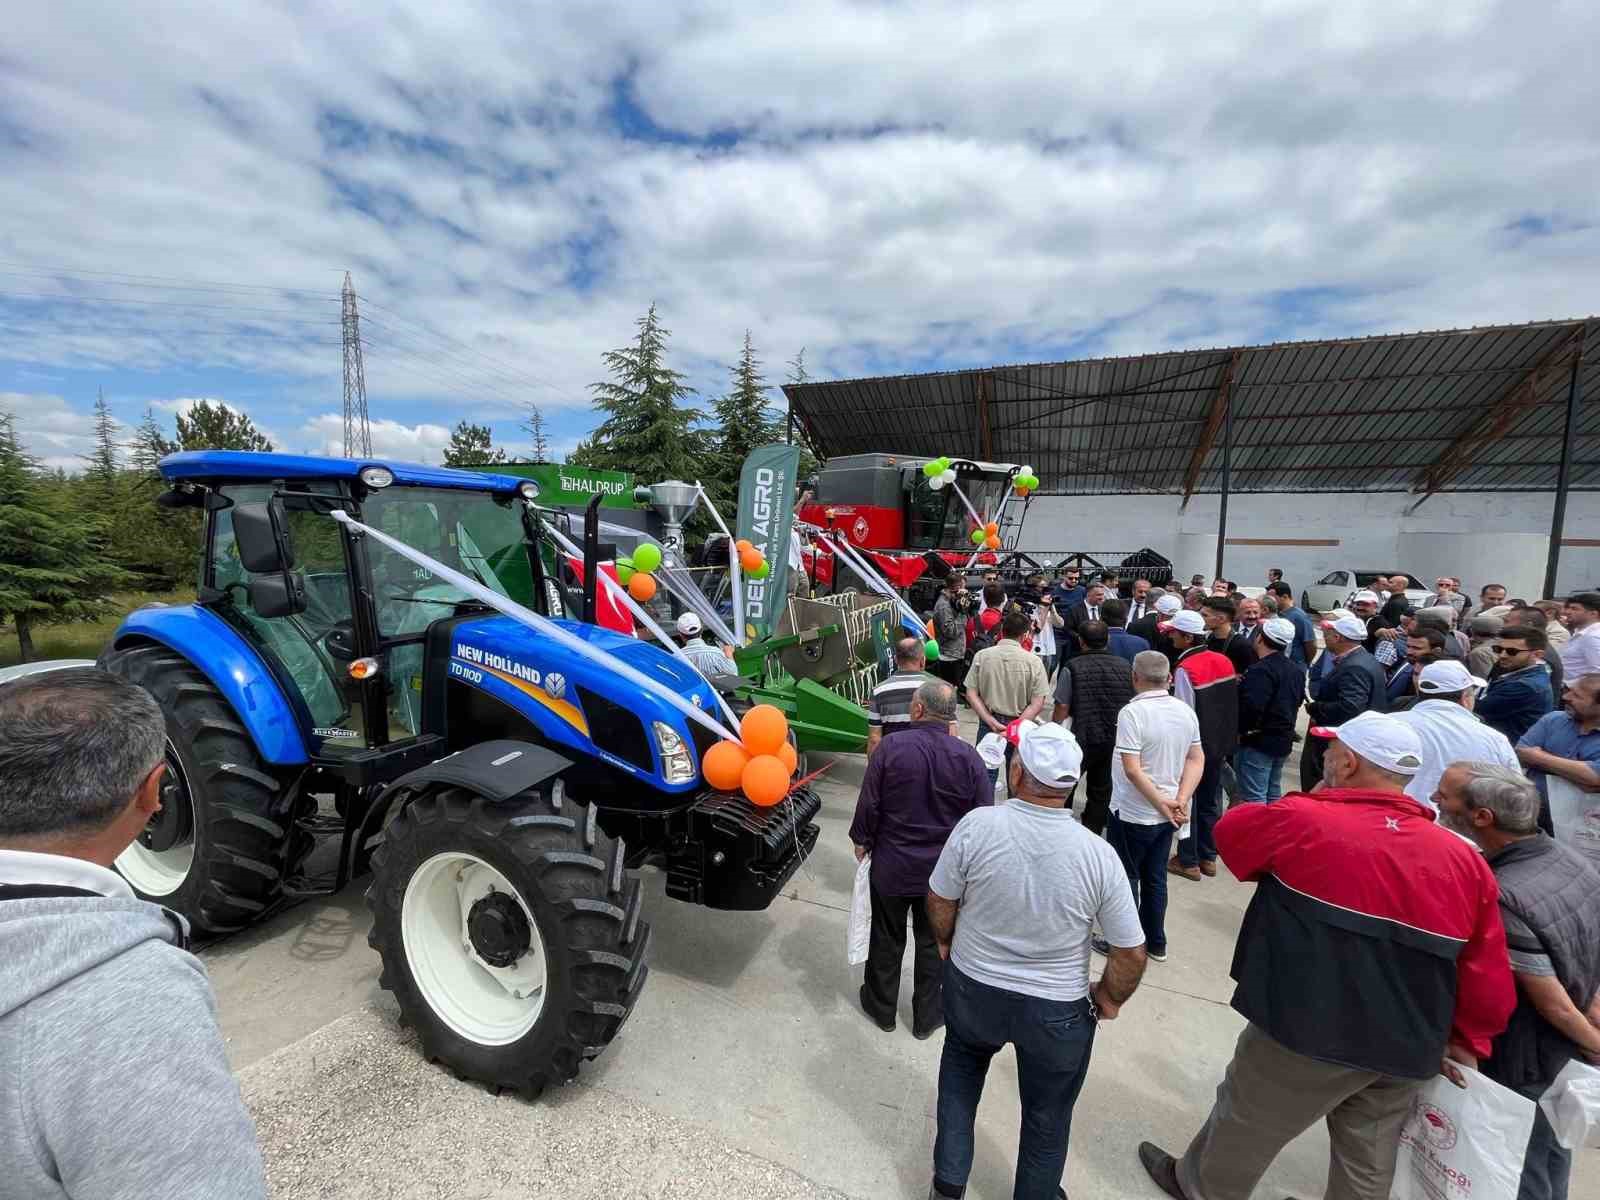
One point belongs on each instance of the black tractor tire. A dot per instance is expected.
(245, 844)
(570, 878)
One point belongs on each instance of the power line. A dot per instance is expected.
(425, 364)
(175, 282)
(470, 349)
(463, 361)
(186, 304)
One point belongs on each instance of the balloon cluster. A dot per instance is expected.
(930, 648)
(939, 472)
(751, 561)
(760, 763)
(1025, 481)
(638, 573)
(987, 536)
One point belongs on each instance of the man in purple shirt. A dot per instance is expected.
(918, 785)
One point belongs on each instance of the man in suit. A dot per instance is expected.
(1163, 608)
(1122, 643)
(1139, 603)
(1356, 684)
(1081, 614)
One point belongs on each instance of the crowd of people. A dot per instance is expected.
(1428, 897)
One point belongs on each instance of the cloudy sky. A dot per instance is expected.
(892, 187)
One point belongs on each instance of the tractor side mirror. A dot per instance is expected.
(261, 532)
(278, 595)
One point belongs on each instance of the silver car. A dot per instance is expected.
(1335, 588)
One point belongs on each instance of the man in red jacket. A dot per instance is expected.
(1371, 956)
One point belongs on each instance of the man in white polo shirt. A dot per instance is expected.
(1011, 903)
(1155, 768)
(1443, 720)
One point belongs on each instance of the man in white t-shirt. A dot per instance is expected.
(1027, 883)
(1156, 765)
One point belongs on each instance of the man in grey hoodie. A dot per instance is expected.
(115, 1082)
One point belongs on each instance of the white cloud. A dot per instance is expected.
(324, 434)
(50, 429)
(911, 184)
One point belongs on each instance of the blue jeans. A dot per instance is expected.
(1547, 1167)
(1143, 851)
(1205, 807)
(1052, 1039)
(1260, 775)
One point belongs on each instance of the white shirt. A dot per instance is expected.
(1450, 734)
(59, 870)
(707, 659)
(1160, 729)
(1581, 655)
(797, 561)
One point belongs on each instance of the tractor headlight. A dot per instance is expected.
(377, 477)
(677, 763)
(528, 489)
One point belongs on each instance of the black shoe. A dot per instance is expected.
(1162, 1168)
(1100, 946)
(862, 995)
(923, 1035)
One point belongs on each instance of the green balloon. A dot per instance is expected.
(931, 649)
(647, 557)
(624, 570)
(760, 572)
(930, 469)
(977, 537)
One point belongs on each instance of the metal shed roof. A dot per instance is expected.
(1479, 409)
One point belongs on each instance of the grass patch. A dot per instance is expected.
(83, 639)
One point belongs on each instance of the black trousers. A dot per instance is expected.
(1312, 751)
(951, 670)
(880, 985)
(1097, 780)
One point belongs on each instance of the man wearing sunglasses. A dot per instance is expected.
(1519, 690)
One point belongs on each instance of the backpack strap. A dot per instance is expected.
(55, 891)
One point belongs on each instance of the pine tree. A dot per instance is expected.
(647, 430)
(149, 445)
(101, 469)
(472, 446)
(533, 424)
(209, 426)
(50, 570)
(743, 423)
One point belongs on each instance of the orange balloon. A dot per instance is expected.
(764, 728)
(992, 529)
(642, 587)
(750, 560)
(765, 780)
(790, 758)
(991, 542)
(1022, 491)
(742, 545)
(930, 629)
(724, 765)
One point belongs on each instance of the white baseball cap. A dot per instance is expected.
(1278, 630)
(1448, 676)
(1049, 751)
(1187, 621)
(1352, 627)
(689, 624)
(1365, 597)
(1168, 605)
(1380, 739)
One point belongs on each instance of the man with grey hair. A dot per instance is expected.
(1550, 906)
(120, 1085)
(916, 787)
(889, 706)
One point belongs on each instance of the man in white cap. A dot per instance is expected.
(1444, 722)
(1205, 680)
(707, 659)
(1365, 605)
(1012, 901)
(1371, 958)
(1353, 683)
(1270, 696)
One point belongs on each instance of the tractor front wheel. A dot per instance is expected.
(510, 932)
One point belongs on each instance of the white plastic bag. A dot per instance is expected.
(1463, 1142)
(1572, 1105)
(1576, 815)
(858, 936)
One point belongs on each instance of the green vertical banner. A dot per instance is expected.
(764, 518)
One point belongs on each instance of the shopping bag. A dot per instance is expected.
(1576, 816)
(1572, 1105)
(858, 936)
(1461, 1143)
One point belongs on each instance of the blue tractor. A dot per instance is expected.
(332, 704)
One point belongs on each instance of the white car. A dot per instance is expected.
(1335, 588)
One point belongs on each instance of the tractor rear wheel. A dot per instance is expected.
(224, 841)
(510, 932)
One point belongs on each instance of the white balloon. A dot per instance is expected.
(937, 482)
(1025, 471)
(949, 476)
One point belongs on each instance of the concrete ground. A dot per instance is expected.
(747, 1070)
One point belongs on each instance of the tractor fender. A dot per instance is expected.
(496, 770)
(233, 665)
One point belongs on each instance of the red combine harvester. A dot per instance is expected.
(889, 511)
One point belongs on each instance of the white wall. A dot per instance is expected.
(1484, 537)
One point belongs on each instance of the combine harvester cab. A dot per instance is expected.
(370, 678)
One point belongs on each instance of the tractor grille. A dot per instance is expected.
(617, 730)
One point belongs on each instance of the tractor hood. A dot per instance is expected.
(577, 703)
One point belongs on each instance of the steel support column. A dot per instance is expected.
(1227, 476)
(1558, 517)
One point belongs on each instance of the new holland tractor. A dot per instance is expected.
(332, 701)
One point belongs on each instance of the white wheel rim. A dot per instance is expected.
(161, 872)
(492, 1006)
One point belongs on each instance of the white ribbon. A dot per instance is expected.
(541, 625)
(877, 583)
(735, 573)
